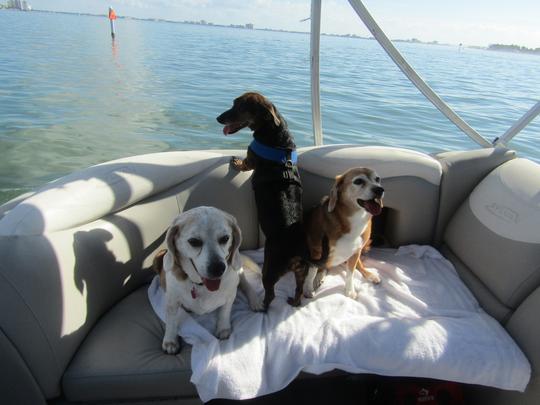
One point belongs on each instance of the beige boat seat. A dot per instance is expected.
(493, 240)
(76, 257)
(121, 358)
(495, 234)
(75, 268)
(122, 352)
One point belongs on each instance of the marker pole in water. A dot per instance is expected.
(112, 17)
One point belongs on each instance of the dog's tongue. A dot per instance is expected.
(212, 285)
(226, 130)
(373, 207)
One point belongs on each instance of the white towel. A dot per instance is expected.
(421, 321)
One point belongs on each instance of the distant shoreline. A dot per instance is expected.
(492, 47)
(245, 27)
(513, 49)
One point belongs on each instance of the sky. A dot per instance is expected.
(471, 22)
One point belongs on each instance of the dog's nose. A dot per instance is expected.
(216, 268)
(222, 118)
(378, 191)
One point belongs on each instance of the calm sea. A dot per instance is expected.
(70, 97)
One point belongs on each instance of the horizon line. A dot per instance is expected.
(239, 26)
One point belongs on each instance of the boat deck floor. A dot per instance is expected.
(358, 390)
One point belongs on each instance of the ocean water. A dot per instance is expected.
(71, 97)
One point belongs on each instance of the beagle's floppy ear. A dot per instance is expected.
(170, 238)
(334, 193)
(234, 259)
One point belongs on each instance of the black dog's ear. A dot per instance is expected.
(268, 112)
(274, 114)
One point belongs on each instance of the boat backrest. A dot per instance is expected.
(462, 171)
(411, 181)
(494, 237)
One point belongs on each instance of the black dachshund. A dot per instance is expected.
(277, 187)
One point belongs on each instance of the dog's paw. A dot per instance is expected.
(266, 302)
(170, 346)
(293, 302)
(256, 303)
(223, 334)
(319, 279)
(351, 293)
(373, 277)
(308, 293)
(236, 163)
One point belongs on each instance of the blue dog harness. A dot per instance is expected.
(283, 156)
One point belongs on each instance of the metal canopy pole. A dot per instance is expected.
(315, 85)
(518, 126)
(411, 74)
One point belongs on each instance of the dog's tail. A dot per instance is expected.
(157, 264)
(249, 264)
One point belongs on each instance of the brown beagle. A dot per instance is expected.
(343, 220)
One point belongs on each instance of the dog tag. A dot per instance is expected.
(193, 292)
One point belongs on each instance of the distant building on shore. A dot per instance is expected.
(19, 5)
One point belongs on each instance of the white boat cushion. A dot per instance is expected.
(420, 321)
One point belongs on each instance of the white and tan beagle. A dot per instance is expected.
(201, 269)
(343, 220)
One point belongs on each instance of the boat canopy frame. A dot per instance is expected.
(407, 70)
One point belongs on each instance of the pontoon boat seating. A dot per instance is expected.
(76, 323)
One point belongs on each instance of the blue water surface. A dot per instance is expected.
(71, 97)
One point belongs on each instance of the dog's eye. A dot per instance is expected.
(359, 182)
(223, 239)
(377, 179)
(195, 242)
